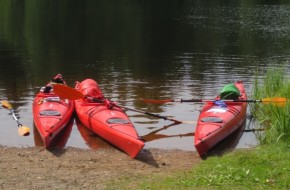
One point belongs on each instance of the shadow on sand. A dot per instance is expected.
(58, 143)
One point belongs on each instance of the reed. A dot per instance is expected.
(273, 118)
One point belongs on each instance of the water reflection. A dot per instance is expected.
(92, 140)
(229, 143)
(59, 141)
(155, 135)
(136, 49)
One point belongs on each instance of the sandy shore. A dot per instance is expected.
(73, 168)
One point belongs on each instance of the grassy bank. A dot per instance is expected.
(265, 167)
(275, 118)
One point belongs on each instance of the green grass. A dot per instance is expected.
(274, 118)
(266, 167)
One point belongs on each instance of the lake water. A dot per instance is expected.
(138, 49)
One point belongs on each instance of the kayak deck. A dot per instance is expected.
(112, 124)
(216, 122)
(51, 114)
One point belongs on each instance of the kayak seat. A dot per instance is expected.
(50, 113)
(212, 119)
(52, 99)
(116, 120)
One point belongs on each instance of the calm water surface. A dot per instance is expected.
(137, 49)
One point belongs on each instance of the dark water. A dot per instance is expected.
(138, 49)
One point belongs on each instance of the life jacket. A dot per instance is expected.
(90, 88)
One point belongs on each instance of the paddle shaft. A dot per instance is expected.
(200, 100)
(15, 118)
(22, 130)
(151, 114)
(276, 100)
(253, 130)
(135, 110)
(7, 105)
(143, 112)
(71, 93)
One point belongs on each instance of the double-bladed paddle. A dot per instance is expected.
(66, 92)
(22, 130)
(280, 101)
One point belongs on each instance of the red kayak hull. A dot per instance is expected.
(51, 115)
(113, 125)
(216, 122)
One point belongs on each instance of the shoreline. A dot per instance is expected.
(69, 167)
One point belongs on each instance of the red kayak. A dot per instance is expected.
(219, 119)
(106, 119)
(50, 113)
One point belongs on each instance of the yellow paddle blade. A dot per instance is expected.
(6, 104)
(279, 101)
(23, 131)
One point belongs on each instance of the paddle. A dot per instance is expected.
(66, 92)
(253, 130)
(276, 100)
(155, 136)
(22, 130)
(152, 137)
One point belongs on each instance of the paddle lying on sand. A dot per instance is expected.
(22, 130)
(280, 101)
(66, 92)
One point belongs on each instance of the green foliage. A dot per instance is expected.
(274, 118)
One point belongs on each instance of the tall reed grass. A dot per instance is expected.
(274, 118)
